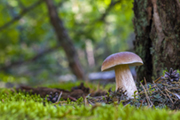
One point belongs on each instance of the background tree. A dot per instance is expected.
(157, 29)
(65, 41)
(30, 51)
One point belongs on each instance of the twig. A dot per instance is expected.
(175, 88)
(59, 97)
(170, 92)
(158, 79)
(87, 100)
(168, 95)
(146, 84)
(91, 102)
(147, 97)
(72, 98)
(177, 95)
(145, 81)
(159, 90)
(169, 86)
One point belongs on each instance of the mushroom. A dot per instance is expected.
(120, 62)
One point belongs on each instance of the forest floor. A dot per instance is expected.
(81, 100)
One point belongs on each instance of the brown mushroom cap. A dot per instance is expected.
(121, 58)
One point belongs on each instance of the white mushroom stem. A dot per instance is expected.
(125, 80)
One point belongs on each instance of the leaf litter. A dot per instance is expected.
(163, 92)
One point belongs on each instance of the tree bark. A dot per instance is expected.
(157, 29)
(65, 41)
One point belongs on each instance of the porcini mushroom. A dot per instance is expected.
(120, 62)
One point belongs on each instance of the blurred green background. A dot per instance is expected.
(30, 52)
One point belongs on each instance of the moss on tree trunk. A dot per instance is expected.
(157, 28)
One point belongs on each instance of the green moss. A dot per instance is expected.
(32, 110)
(20, 106)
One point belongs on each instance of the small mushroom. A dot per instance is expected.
(120, 62)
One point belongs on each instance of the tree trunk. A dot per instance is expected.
(157, 29)
(65, 41)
